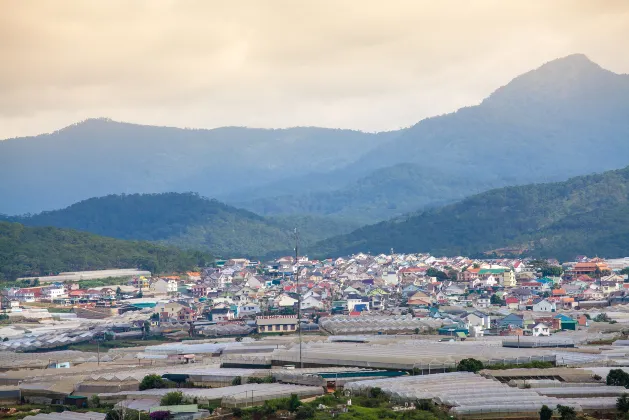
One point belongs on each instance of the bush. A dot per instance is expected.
(376, 393)
(469, 365)
(237, 381)
(618, 377)
(172, 398)
(237, 412)
(95, 401)
(160, 415)
(545, 413)
(622, 404)
(293, 403)
(566, 413)
(152, 382)
(305, 412)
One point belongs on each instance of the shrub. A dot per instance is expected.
(469, 365)
(305, 412)
(622, 404)
(172, 398)
(376, 393)
(293, 403)
(545, 413)
(566, 413)
(237, 381)
(160, 415)
(152, 382)
(95, 401)
(618, 377)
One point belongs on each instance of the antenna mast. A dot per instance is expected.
(301, 363)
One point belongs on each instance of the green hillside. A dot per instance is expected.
(37, 251)
(187, 221)
(384, 193)
(584, 215)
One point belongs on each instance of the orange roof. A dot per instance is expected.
(567, 299)
(559, 292)
(193, 273)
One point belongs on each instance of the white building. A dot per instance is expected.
(541, 329)
(544, 306)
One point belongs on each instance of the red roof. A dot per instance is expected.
(511, 300)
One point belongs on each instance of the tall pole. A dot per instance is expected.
(301, 363)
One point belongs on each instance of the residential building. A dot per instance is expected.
(280, 323)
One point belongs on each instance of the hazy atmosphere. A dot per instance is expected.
(368, 65)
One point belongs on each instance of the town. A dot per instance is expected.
(357, 324)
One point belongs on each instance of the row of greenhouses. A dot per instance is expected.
(468, 394)
(373, 324)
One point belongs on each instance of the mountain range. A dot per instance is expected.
(474, 181)
(586, 215)
(188, 221)
(569, 117)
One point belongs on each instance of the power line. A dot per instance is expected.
(301, 363)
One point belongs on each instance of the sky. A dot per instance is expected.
(361, 64)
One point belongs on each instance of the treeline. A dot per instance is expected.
(39, 251)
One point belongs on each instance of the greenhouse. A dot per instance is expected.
(421, 355)
(232, 396)
(470, 395)
(374, 324)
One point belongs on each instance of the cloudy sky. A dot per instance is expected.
(369, 65)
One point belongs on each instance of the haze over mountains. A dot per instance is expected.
(569, 117)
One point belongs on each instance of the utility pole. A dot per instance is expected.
(301, 363)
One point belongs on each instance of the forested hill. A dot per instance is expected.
(586, 215)
(37, 251)
(188, 221)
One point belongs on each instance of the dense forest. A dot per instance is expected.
(188, 221)
(38, 251)
(584, 215)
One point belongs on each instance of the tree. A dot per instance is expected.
(624, 271)
(602, 317)
(152, 382)
(495, 300)
(545, 413)
(293, 403)
(118, 292)
(566, 413)
(305, 412)
(237, 381)
(146, 328)
(618, 377)
(433, 272)
(469, 365)
(551, 271)
(622, 404)
(172, 398)
(94, 401)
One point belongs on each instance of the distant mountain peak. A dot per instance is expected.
(560, 79)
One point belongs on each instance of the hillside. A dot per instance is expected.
(585, 215)
(99, 157)
(38, 251)
(383, 193)
(187, 221)
(567, 118)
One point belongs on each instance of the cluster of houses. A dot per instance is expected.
(461, 290)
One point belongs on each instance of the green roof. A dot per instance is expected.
(184, 408)
(461, 334)
(492, 270)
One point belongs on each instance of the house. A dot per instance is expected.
(567, 323)
(512, 302)
(25, 295)
(199, 290)
(279, 323)
(311, 302)
(221, 314)
(544, 306)
(354, 300)
(285, 301)
(541, 329)
(479, 319)
(249, 309)
(164, 286)
(511, 320)
(186, 314)
(53, 292)
(168, 310)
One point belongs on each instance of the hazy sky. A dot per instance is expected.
(369, 65)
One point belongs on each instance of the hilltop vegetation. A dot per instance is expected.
(38, 251)
(187, 221)
(586, 215)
